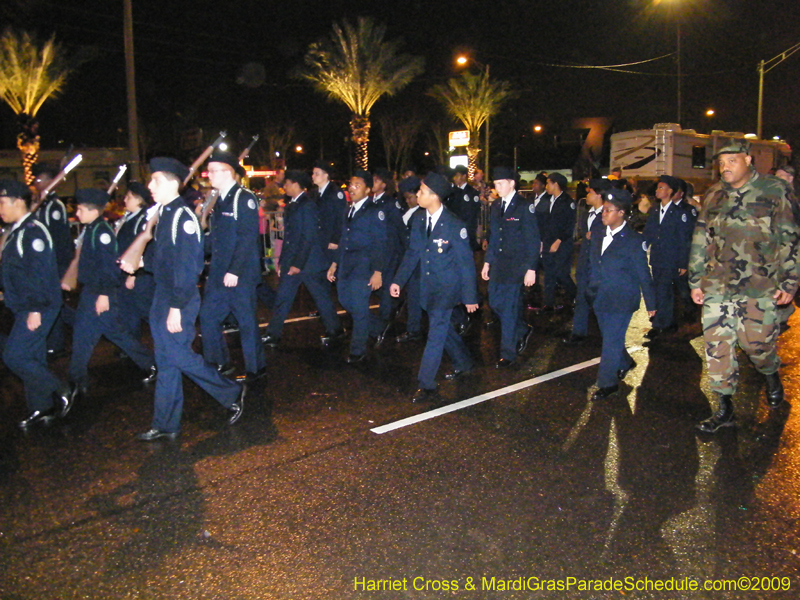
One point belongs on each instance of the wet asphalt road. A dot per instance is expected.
(302, 500)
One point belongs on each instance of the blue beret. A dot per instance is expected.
(92, 197)
(438, 184)
(620, 198)
(409, 185)
(223, 156)
(165, 164)
(504, 173)
(140, 190)
(14, 189)
(324, 165)
(600, 185)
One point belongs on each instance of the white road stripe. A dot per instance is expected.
(483, 397)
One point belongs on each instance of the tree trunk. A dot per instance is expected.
(472, 158)
(360, 126)
(28, 145)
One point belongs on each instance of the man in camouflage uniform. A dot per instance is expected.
(742, 264)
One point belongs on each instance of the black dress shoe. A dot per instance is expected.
(774, 390)
(463, 329)
(156, 434)
(251, 377)
(653, 333)
(151, 375)
(38, 417)
(56, 354)
(355, 358)
(622, 372)
(574, 340)
(408, 336)
(64, 400)
(332, 338)
(314, 313)
(605, 392)
(504, 363)
(270, 340)
(523, 342)
(237, 408)
(671, 329)
(456, 373)
(225, 369)
(425, 395)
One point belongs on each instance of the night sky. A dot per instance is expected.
(195, 61)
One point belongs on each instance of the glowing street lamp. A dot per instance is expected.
(537, 128)
(710, 112)
(461, 61)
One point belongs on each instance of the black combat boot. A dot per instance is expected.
(724, 416)
(774, 390)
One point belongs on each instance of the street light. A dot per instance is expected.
(537, 128)
(710, 112)
(765, 67)
(461, 61)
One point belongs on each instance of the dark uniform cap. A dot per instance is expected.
(385, 175)
(223, 156)
(619, 198)
(140, 189)
(44, 169)
(169, 165)
(504, 173)
(461, 169)
(300, 177)
(365, 175)
(438, 184)
(409, 185)
(14, 189)
(324, 165)
(92, 197)
(559, 179)
(599, 185)
(735, 147)
(673, 182)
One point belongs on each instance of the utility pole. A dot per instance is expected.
(765, 66)
(130, 79)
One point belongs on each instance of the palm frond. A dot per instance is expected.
(472, 98)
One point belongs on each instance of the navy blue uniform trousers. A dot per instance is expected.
(614, 356)
(175, 358)
(442, 336)
(89, 327)
(506, 301)
(354, 298)
(556, 272)
(318, 286)
(25, 354)
(666, 282)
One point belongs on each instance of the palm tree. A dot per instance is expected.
(29, 75)
(356, 66)
(472, 99)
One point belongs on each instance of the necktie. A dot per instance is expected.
(428, 230)
(505, 205)
(352, 212)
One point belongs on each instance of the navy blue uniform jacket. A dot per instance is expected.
(29, 271)
(513, 240)
(560, 222)
(53, 214)
(619, 277)
(466, 205)
(395, 232)
(177, 257)
(362, 245)
(332, 207)
(234, 239)
(301, 247)
(447, 268)
(669, 240)
(97, 266)
(598, 229)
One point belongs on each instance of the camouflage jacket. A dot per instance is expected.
(745, 241)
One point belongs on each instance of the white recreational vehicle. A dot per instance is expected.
(666, 149)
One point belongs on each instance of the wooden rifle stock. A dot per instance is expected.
(55, 181)
(209, 204)
(132, 257)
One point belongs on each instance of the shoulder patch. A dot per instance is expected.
(38, 245)
(189, 227)
(381, 216)
(644, 246)
(572, 205)
(531, 208)
(105, 238)
(251, 204)
(56, 215)
(463, 233)
(466, 197)
(476, 199)
(397, 204)
(683, 218)
(340, 195)
(694, 212)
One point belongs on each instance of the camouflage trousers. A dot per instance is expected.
(753, 324)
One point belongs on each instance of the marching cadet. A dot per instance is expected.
(136, 295)
(440, 249)
(591, 226)
(464, 201)
(234, 271)
(360, 261)
(52, 213)
(332, 207)
(409, 188)
(98, 307)
(668, 234)
(618, 277)
(302, 261)
(742, 264)
(557, 243)
(511, 261)
(395, 247)
(176, 262)
(683, 200)
(32, 293)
